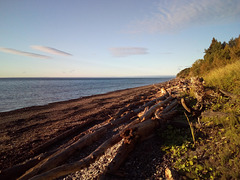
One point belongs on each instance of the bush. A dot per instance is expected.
(184, 73)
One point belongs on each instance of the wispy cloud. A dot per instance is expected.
(173, 15)
(50, 50)
(127, 51)
(23, 53)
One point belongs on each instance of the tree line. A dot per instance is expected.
(217, 55)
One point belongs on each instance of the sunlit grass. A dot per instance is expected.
(226, 78)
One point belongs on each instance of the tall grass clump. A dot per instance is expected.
(226, 78)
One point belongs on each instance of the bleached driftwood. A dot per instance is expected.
(85, 162)
(132, 135)
(121, 156)
(17, 170)
(170, 106)
(60, 156)
(185, 106)
(60, 137)
(152, 110)
(134, 112)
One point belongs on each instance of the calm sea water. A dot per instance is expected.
(17, 93)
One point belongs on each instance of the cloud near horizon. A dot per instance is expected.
(50, 50)
(174, 15)
(23, 53)
(127, 51)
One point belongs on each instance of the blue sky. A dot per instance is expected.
(106, 38)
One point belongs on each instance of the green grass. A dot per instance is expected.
(225, 78)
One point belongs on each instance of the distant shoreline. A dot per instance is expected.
(67, 89)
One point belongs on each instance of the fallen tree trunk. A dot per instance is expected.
(73, 167)
(121, 156)
(123, 110)
(150, 113)
(60, 137)
(132, 135)
(141, 130)
(152, 110)
(132, 113)
(17, 170)
(170, 106)
(166, 116)
(60, 156)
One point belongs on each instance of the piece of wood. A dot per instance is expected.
(122, 111)
(134, 112)
(60, 137)
(185, 106)
(124, 118)
(133, 123)
(143, 112)
(150, 103)
(211, 114)
(168, 112)
(233, 96)
(140, 130)
(120, 157)
(152, 110)
(17, 170)
(60, 156)
(171, 174)
(104, 146)
(85, 162)
(170, 106)
(166, 116)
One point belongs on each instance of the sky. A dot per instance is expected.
(107, 38)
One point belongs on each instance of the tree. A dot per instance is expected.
(196, 67)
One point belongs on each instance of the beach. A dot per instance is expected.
(24, 130)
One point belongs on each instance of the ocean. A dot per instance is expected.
(16, 93)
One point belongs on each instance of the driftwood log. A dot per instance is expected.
(233, 96)
(60, 137)
(185, 106)
(58, 157)
(152, 110)
(17, 170)
(122, 154)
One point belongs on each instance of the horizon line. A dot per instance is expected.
(150, 76)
